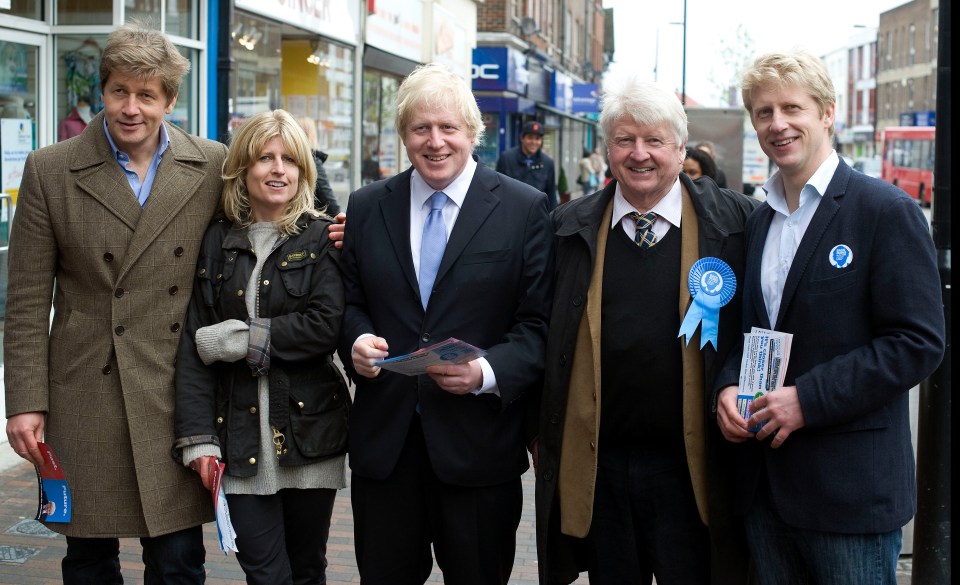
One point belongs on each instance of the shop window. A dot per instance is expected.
(32, 9)
(382, 146)
(84, 12)
(317, 84)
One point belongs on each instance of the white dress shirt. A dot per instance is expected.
(787, 229)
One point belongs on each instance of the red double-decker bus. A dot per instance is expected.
(908, 156)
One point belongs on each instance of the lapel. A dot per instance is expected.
(755, 244)
(810, 243)
(179, 175)
(395, 214)
(477, 206)
(100, 176)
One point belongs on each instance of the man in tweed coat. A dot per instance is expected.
(109, 225)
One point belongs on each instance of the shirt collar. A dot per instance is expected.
(123, 157)
(816, 186)
(456, 191)
(668, 208)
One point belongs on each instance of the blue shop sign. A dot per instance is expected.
(586, 98)
(928, 118)
(561, 91)
(499, 69)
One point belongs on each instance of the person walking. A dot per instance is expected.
(259, 338)
(827, 483)
(448, 248)
(108, 225)
(529, 164)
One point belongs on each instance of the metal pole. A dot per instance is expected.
(224, 67)
(683, 74)
(931, 543)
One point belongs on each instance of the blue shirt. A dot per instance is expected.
(140, 190)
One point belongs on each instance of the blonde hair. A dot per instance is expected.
(310, 130)
(797, 68)
(137, 51)
(436, 86)
(245, 147)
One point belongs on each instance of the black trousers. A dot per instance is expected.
(645, 520)
(282, 538)
(172, 559)
(473, 530)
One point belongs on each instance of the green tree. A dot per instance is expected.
(736, 53)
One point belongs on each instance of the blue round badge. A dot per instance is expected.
(713, 277)
(841, 256)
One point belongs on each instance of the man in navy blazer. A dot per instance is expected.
(846, 264)
(437, 458)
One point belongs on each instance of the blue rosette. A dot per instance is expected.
(712, 284)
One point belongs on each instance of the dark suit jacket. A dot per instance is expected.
(863, 336)
(493, 290)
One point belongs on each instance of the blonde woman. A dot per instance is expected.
(256, 385)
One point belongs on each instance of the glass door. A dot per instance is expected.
(22, 127)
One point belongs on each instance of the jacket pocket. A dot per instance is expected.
(296, 268)
(319, 413)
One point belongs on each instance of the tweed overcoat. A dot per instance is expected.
(120, 277)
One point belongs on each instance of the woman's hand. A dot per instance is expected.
(205, 466)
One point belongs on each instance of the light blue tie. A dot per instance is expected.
(432, 245)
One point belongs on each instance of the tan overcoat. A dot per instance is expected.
(120, 277)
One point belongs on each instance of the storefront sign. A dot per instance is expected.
(499, 69)
(396, 26)
(586, 98)
(16, 142)
(450, 42)
(561, 91)
(335, 19)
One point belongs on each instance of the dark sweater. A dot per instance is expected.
(642, 375)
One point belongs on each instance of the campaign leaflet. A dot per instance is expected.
(55, 504)
(451, 351)
(763, 367)
(226, 534)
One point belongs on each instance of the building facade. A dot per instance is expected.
(907, 65)
(541, 60)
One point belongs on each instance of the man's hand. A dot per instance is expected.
(732, 425)
(205, 466)
(366, 352)
(457, 378)
(23, 432)
(781, 412)
(336, 230)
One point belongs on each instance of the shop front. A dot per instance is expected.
(299, 57)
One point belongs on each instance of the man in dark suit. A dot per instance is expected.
(845, 263)
(632, 473)
(437, 458)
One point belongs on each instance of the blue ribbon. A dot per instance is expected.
(712, 284)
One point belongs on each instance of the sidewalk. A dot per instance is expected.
(30, 554)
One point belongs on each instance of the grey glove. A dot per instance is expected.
(224, 342)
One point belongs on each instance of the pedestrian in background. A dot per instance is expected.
(447, 248)
(108, 225)
(588, 179)
(633, 477)
(323, 198)
(709, 148)
(256, 382)
(529, 164)
(828, 481)
(698, 163)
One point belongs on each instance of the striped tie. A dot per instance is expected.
(645, 238)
